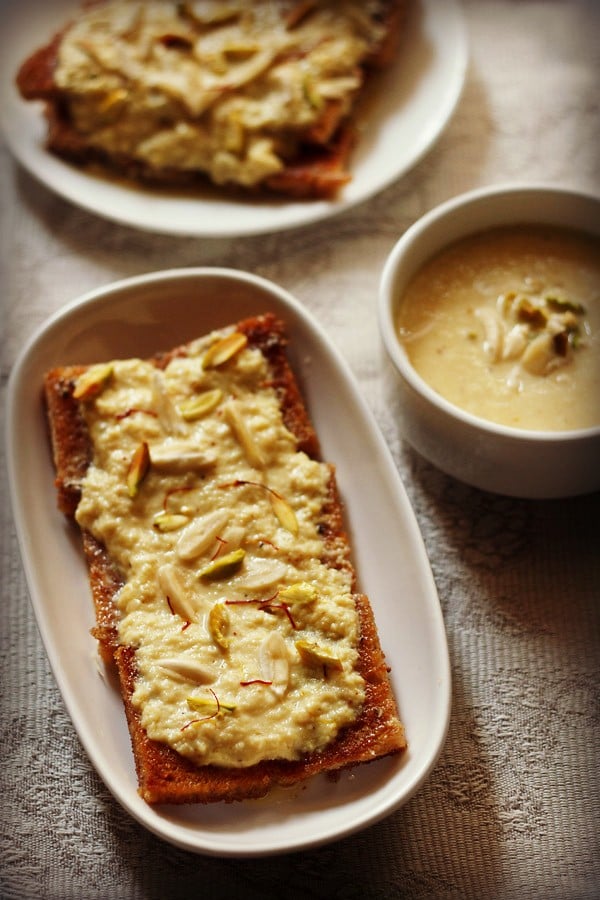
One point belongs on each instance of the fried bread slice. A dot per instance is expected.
(256, 97)
(165, 774)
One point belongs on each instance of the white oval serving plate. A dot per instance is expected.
(405, 111)
(153, 312)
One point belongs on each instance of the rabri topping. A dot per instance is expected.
(228, 89)
(245, 635)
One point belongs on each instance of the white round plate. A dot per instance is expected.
(404, 112)
(138, 317)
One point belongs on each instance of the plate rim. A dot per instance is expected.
(70, 183)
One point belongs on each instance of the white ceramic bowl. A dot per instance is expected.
(511, 461)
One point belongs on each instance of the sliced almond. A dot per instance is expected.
(93, 381)
(243, 434)
(171, 584)
(200, 534)
(274, 662)
(180, 456)
(493, 329)
(200, 404)
(223, 566)
(138, 469)
(515, 342)
(224, 349)
(263, 574)
(189, 669)
(166, 411)
(539, 355)
(233, 536)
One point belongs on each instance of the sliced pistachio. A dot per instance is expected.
(200, 534)
(92, 381)
(112, 99)
(209, 705)
(530, 312)
(180, 456)
(312, 654)
(564, 304)
(224, 349)
(189, 669)
(200, 404)
(263, 574)
(138, 469)
(223, 566)
(300, 592)
(171, 584)
(168, 416)
(311, 94)
(218, 625)
(243, 434)
(285, 513)
(274, 662)
(561, 343)
(164, 521)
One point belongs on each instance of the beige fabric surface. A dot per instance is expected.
(512, 809)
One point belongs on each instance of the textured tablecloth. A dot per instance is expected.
(512, 808)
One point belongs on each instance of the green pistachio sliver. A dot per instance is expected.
(138, 469)
(529, 312)
(223, 566)
(285, 513)
(209, 705)
(310, 93)
(300, 592)
(563, 304)
(224, 349)
(312, 654)
(218, 624)
(164, 521)
(200, 405)
(92, 381)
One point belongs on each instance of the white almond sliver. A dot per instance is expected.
(178, 456)
(493, 332)
(233, 536)
(274, 662)
(243, 434)
(171, 583)
(200, 533)
(515, 342)
(189, 669)
(539, 355)
(168, 416)
(263, 573)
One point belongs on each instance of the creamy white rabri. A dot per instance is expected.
(506, 325)
(246, 641)
(222, 88)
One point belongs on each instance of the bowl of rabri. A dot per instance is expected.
(489, 312)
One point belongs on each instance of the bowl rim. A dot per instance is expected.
(410, 238)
